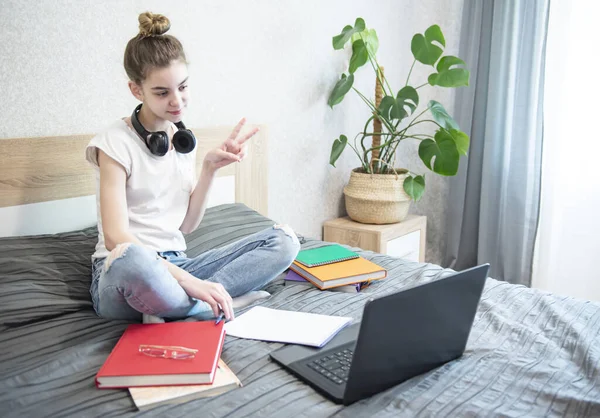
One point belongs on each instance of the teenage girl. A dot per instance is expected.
(148, 197)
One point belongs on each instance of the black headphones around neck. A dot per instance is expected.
(184, 140)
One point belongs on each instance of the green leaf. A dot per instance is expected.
(343, 85)
(369, 36)
(359, 56)
(395, 108)
(448, 76)
(408, 96)
(440, 155)
(337, 148)
(423, 48)
(441, 116)
(414, 187)
(389, 109)
(461, 140)
(447, 62)
(340, 40)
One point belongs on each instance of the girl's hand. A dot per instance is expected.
(212, 293)
(232, 150)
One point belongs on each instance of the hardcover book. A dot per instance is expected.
(128, 366)
(152, 396)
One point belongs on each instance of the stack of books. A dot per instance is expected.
(168, 363)
(333, 267)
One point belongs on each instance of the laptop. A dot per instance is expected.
(401, 335)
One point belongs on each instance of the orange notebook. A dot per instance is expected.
(339, 274)
(126, 366)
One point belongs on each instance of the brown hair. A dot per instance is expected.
(151, 48)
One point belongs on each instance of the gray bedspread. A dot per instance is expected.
(530, 353)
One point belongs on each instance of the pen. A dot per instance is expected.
(220, 317)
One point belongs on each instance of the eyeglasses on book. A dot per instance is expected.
(168, 351)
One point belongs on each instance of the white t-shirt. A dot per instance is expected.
(158, 189)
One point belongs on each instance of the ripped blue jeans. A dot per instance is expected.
(133, 280)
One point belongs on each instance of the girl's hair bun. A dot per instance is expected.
(153, 24)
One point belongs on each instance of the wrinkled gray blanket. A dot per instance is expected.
(530, 354)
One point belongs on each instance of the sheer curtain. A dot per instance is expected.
(567, 254)
(494, 199)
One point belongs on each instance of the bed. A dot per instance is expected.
(529, 354)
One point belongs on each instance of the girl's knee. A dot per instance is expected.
(130, 260)
(116, 253)
(287, 241)
(134, 253)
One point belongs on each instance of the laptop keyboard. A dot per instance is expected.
(334, 366)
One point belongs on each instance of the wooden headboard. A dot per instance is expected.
(47, 169)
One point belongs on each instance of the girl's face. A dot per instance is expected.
(165, 91)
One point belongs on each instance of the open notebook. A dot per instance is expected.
(304, 328)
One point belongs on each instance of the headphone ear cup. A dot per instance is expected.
(158, 142)
(184, 141)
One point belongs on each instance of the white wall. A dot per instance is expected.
(272, 61)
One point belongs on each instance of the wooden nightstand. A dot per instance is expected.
(405, 239)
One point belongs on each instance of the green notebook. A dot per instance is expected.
(324, 255)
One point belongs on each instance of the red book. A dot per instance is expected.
(126, 366)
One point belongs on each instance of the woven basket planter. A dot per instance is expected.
(376, 198)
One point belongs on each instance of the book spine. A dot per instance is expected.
(104, 365)
(301, 273)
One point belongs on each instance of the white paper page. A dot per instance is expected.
(266, 324)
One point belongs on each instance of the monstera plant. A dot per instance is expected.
(395, 115)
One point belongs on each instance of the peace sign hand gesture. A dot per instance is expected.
(232, 150)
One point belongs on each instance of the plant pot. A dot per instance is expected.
(376, 198)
